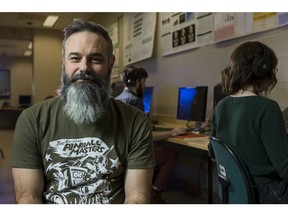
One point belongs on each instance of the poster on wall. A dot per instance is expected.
(243, 24)
(178, 32)
(188, 30)
(264, 21)
(223, 26)
(113, 32)
(282, 18)
(139, 35)
(232, 25)
(204, 27)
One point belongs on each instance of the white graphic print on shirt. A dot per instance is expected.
(80, 168)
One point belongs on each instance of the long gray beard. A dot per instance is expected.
(84, 102)
(80, 108)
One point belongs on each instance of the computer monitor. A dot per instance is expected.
(192, 103)
(24, 101)
(147, 99)
(218, 94)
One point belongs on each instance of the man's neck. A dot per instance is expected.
(131, 89)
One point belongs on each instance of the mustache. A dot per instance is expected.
(85, 76)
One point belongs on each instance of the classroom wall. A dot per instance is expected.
(47, 63)
(202, 66)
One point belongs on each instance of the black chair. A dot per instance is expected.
(117, 88)
(233, 176)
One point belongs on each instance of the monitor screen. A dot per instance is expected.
(4, 84)
(25, 100)
(218, 94)
(192, 103)
(147, 99)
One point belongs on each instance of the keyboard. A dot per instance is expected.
(191, 135)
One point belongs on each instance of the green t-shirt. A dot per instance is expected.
(82, 163)
(255, 127)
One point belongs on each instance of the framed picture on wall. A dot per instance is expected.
(4, 84)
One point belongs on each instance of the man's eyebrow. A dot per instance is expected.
(96, 55)
(93, 55)
(73, 53)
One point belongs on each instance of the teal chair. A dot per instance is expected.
(233, 176)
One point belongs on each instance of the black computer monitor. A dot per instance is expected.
(147, 99)
(218, 94)
(4, 84)
(192, 103)
(24, 101)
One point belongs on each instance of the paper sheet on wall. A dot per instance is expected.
(282, 18)
(139, 34)
(184, 31)
(264, 21)
(204, 27)
(223, 26)
(178, 32)
(113, 32)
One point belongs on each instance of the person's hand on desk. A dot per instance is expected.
(160, 135)
(178, 131)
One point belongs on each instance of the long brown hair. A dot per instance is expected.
(252, 64)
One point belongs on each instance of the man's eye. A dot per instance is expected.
(96, 60)
(74, 58)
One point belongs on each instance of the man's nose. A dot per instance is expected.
(84, 67)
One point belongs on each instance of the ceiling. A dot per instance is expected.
(26, 22)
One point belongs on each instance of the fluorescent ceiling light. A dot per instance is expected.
(28, 53)
(50, 20)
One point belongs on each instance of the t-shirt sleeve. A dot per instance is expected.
(25, 151)
(141, 152)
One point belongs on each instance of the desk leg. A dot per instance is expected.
(1, 153)
(210, 181)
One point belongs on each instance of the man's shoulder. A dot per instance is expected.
(48, 104)
(126, 107)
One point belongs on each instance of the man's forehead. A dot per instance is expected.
(87, 37)
(91, 44)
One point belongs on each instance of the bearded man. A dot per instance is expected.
(83, 147)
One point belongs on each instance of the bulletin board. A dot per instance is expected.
(188, 30)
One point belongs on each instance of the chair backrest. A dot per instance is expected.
(117, 88)
(233, 175)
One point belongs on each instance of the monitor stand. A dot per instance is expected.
(197, 127)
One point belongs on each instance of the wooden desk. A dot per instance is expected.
(202, 144)
(197, 142)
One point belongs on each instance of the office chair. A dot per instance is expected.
(117, 88)
(233, 176)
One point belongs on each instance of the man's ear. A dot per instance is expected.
(112, 60)
(138, 83)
